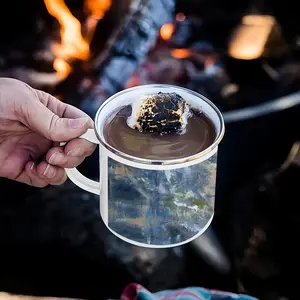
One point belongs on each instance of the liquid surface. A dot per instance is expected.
(200, 134)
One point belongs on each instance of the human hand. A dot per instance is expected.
(32, 123)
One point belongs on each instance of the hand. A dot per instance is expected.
(32, 123)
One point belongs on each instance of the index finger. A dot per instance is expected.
(60, 108)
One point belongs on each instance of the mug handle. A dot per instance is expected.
(75, 176)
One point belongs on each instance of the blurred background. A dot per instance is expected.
(245, 57)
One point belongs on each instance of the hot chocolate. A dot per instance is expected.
(199, 134)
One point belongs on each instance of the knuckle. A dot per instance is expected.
(57, 158)
(54, 127)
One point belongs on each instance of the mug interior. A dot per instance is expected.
(124, 98)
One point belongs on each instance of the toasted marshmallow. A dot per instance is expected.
(162, 113)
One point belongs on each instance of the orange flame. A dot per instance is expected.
(167, 31)
(73, 44)
(61, 67)
(96, 10)
(180, 53)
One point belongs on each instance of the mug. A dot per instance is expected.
(153, 203)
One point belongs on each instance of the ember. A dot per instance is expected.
(180, 53)
(166, 31)
(180, 17)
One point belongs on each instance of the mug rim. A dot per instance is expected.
(146, 161)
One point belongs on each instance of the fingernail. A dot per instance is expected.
(57, 158)
(75, 152)
(32, 166)
(49, 172)
(77, 123)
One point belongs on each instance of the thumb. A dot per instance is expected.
(57, 129)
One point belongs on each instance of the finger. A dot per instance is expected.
(46, 122)
(72, 155)
(60, 108)
(57, 157)
(52, 174)
(79, 147)
(29, 176)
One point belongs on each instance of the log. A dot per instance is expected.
(125, 50)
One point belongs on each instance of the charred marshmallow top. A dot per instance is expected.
(162, 113)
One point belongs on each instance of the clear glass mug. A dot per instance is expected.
(153, 203)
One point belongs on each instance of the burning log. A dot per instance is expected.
(126, 50)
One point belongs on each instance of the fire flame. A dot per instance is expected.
(167, 31)
(73, 45)
(98, 7)
(96, 10)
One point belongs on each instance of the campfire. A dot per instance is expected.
(155, 44)
(84, 51)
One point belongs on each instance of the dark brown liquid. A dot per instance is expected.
(200, 134)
